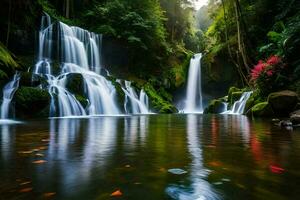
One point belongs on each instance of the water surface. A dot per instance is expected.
(224, 157)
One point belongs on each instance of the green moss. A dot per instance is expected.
(157, 102)
(82, 100)
(119, 90)
(215, 106)
(32, 102)
(75, 84)
(263, 109)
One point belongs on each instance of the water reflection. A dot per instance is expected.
(7, 137)
(200, 188)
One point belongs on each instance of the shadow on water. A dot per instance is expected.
(225, 157)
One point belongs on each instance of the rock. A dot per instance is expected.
(263, 109)
(235, 97)
(32, 80)
(75, 84)
(283, 102)
(295, 117)
(285, 123)
(32, 102)
(215, 106)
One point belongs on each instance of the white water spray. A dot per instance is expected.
(8, 93)
(239, 106)
(193, 103)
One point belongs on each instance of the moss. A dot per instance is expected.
(231, 91)
(32, 102)
(82, 100)
(75, 84)
(283, 102)
(235, 96)
(263, 109)
(119, 90)
(157, 102)
(215, 106)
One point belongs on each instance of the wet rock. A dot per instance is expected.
(283, 102)
(32, 80)
(285, 123)
(295, 117)
(32, 102)
(263, 109)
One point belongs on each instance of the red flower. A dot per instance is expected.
(270, 73)
(274, 60)
(258, 69)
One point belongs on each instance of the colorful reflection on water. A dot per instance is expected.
(225, 157)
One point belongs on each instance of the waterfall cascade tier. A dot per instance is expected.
(239, 106)
(8, 93)
(133, 103)
(193, 102)
(79, 53)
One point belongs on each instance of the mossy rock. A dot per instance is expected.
(82, 100)
(32, 102)
(215, 106)
(32, 80)
(283, 102)
(232, 90)
(235, 96)
(119, 90)
(75, 84)
(263, 109)
(157, 102)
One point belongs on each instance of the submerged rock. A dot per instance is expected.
(283, 102)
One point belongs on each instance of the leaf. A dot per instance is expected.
(117, 193)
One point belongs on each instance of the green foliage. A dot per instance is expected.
(157, 102)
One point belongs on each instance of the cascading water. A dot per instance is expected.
(133, 103)
(79, 53)
(8, 93)
(239, 106)
(193, 102)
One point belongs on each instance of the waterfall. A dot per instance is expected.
(79, 52)
(8, 93)
(193, 102)
(239, 106)
(133, 103)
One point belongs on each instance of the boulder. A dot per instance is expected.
(75, 84)
(32, 102)
(215, 106)
(32, 80)
(263, 109)
(283, 102)
(295, 117)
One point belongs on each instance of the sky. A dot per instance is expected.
(200, 3)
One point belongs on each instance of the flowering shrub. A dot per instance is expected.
(269, 75)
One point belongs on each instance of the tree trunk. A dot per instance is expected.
(68, 9)
(240, 35)
(8, 22)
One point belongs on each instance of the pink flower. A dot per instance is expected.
(258, 69)
(274, 60)
(270, 73)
